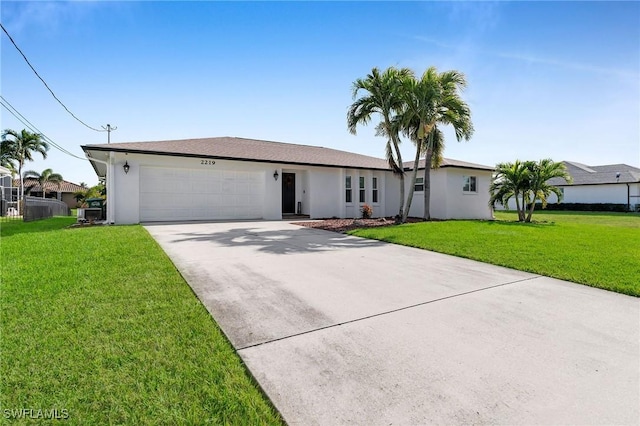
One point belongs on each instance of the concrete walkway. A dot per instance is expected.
(343, 330)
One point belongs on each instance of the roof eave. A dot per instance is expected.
(216, 157)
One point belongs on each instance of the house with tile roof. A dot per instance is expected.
(63, 192)
(227, 178)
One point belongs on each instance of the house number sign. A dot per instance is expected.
(208, 162)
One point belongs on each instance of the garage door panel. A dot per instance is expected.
(187, 194)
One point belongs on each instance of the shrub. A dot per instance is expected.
(367, 211)
(588, 207)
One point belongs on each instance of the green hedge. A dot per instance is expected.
(585, 207)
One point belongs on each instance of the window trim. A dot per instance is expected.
(374, 190)
(348, 189)
(467, 187)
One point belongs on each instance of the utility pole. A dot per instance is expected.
(108, 130)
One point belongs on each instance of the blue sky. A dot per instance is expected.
(546, 79)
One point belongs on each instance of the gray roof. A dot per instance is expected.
(255, 150)
(598, 175)
(447, 162)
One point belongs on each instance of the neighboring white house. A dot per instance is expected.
(234, 178)
(6, 189)
(613, 183)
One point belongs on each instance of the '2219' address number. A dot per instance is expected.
(208, 162)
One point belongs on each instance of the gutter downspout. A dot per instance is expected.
(108, 185)
(628, 197)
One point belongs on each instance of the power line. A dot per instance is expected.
(44, 82)
(33, 128)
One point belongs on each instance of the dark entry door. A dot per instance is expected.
(288, 192)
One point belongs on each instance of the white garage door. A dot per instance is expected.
(168, 194)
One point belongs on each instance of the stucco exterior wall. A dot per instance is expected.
(447, 199)
(465, 205)
(325, 187)
(611, 193)
(392, 194)
(321, 190)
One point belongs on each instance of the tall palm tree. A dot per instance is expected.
(511, 180)
(45, 177)
(539, 187)
(7, 156)
(434, 99)
(382, 97)
(22, 147)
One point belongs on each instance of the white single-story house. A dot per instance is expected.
(6, 189)
(608, 184)
(612, 183)
(227, 178)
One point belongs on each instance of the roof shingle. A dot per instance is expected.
(257, 150)
(448, 162)
(594, 175)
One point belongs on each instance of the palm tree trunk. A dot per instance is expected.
(412, 185)
(518, 207)
(426, 215)
(531, 209)
(21, 194)
(396, 147)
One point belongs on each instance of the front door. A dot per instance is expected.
(288, 193)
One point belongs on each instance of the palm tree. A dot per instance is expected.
(383, 97)
(80, 196)
(43, 178)
(511, 180)
(539, 187)
(7, 156)
(22, 146)
(433, 99)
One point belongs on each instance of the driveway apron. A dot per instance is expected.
(345, 330)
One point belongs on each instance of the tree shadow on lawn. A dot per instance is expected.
(533, 224)
(289, 241)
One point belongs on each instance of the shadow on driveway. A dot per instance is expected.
(290, 241)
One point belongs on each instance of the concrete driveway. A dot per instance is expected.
(343, 330)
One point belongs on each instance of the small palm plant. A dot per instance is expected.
(47, 176)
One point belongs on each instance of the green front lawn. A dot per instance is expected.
(597, 249)
(97, 321)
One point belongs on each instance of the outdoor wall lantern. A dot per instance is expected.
(126, 167)
(275, 175)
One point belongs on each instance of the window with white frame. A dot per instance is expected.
(361, 187)
(419, 186)
(469, 184)
(374, 189)
(347, 185)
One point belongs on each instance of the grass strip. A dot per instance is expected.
(97, 322)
